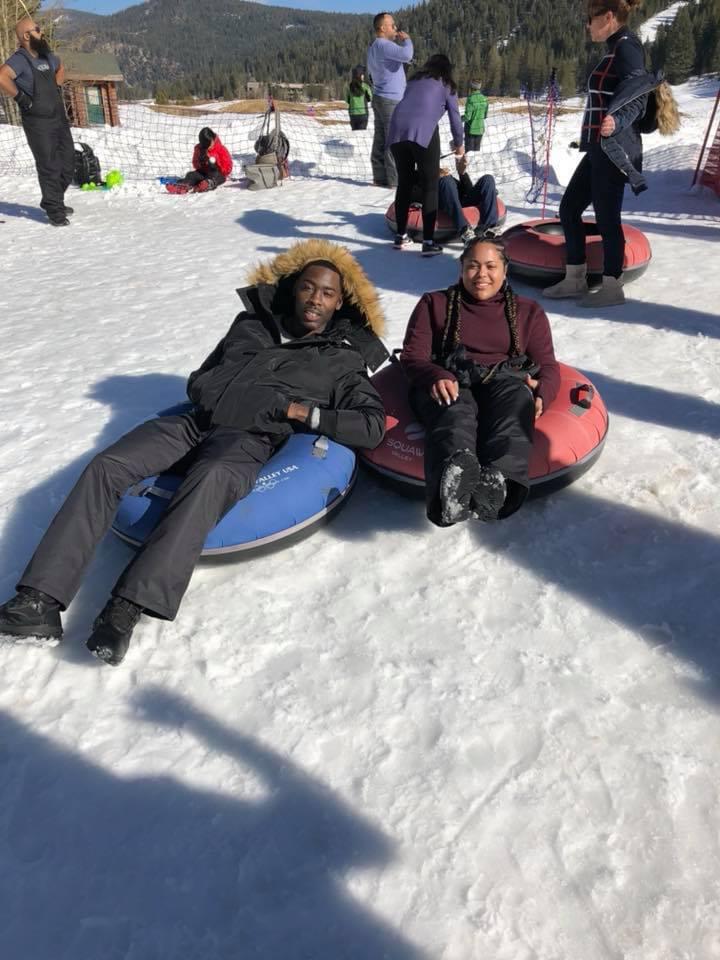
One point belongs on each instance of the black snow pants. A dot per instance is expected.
(223, 465)
(51, 144)
(496, 420)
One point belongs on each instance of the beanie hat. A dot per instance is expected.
(475, 85)
(206, 137)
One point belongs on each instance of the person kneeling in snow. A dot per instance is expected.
(212, 165)
(294, 360)
(481, 367)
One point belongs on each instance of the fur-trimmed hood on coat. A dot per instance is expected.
(270, 291)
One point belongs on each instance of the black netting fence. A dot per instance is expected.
(157, 141)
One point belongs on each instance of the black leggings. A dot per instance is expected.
(416, 164)
(598, 181)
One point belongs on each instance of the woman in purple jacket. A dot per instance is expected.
(415, 144)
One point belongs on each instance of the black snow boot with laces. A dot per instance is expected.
(113, 629)
(31, 613)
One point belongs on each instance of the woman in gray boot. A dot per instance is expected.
(612, 145)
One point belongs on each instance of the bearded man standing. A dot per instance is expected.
(33, 77)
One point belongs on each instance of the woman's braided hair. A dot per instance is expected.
(452, 334)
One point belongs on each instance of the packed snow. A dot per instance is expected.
(389, 740)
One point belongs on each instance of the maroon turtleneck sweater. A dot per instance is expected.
(485, 335)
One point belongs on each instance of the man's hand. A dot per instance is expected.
(607, 127)
(461, 163)
(298, 411)
(459, 151)
(445, 392)
(538, 400)
(401, 36)
(23, 101)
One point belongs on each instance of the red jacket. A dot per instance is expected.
(485, 336)
(224, 161)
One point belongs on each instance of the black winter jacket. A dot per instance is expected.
(627, 107)
(251, 376)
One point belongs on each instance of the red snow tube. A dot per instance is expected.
(569, 436)
(444, 229)
(536, 250)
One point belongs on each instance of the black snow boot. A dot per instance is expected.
(489, 494)
(112, 630)
(460, 477)
(31, 613)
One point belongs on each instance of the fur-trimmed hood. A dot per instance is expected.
(358, 291)
(359, 322)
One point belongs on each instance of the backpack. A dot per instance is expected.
(272, 148)
(87, 166)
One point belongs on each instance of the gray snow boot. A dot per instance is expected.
(610, 294)
(574, 283)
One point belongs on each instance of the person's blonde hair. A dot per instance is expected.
(667, 113)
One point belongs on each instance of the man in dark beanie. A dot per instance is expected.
(33, 77)
(211, 165)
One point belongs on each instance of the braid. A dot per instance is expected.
(510, 305)
(452, 321)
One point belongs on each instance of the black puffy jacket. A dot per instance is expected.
(251, 376)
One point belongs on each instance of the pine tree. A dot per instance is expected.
(680, 49)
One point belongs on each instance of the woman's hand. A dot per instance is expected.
(538, 400)
(607, 127)
(445, 392)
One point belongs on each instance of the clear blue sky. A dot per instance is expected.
(339, 6)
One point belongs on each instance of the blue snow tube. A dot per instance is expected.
(297, 489)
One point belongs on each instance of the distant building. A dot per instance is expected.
(299, 91)
(90, 88)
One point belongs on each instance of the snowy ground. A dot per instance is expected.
(389, 740)
(648, 31)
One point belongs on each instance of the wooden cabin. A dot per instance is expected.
(90, 88)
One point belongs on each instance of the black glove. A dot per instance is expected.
(23, 101)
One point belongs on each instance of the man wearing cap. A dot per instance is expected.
(387, 54)
(33, 77)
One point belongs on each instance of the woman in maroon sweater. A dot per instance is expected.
(481, 367)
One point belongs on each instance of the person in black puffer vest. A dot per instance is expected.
(33, 77)
(612, 147)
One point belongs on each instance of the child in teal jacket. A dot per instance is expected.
(476, 108)
(358, 96)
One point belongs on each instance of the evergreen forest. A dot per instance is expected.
(176, 49)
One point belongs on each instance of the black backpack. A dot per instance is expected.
(87, 166)
(648, 121)
(272, 139)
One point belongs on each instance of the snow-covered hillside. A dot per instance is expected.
(388, 740)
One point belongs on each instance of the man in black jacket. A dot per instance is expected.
(294, 359)
(33, 77)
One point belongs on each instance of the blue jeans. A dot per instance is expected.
(482, 195)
